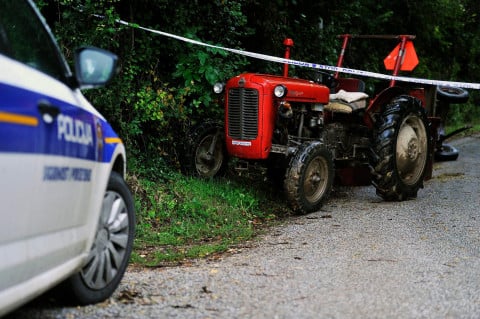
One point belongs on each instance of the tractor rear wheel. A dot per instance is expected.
(205, 153)
(401, 148)
(309, 177)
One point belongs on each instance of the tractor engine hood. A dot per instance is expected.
(298, 90)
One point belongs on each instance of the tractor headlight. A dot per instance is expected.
(280, 91)
(218, 87)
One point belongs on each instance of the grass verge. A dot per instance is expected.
(183, 217)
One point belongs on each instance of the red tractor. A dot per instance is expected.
(310, 133)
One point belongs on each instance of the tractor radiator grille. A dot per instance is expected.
(243, 113)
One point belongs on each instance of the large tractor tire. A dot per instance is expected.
(205, 153)
(401, 148)
(309, 177)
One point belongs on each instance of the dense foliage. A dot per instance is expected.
(165, 84)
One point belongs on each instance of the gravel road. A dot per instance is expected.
(359, 257)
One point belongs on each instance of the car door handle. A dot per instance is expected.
(49, 112)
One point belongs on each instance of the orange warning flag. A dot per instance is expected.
(409, 58)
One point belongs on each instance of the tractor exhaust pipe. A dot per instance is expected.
(288, 43)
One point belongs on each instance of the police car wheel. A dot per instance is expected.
(111, 249)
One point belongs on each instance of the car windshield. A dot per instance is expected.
(24, 38)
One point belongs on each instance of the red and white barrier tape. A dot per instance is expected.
(466, 85)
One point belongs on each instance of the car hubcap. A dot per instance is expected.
(109, 246)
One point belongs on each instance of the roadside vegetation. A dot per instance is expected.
(181, 217)
(164, 86)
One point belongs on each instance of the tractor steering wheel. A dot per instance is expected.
(320, 77)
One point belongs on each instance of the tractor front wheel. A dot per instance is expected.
(309, 177)
(205, 153)
(401, 149)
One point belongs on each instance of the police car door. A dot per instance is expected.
(47, 149)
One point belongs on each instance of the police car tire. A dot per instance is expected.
(79, 290)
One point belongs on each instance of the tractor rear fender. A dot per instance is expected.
(383, 98)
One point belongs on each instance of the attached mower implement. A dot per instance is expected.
(311, 133)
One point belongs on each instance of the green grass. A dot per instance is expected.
(185, 217)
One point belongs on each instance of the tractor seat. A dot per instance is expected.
(346, 102)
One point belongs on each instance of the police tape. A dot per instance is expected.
(466, 85)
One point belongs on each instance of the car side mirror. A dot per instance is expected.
(94, 67)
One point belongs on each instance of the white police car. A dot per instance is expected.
(66, 212)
